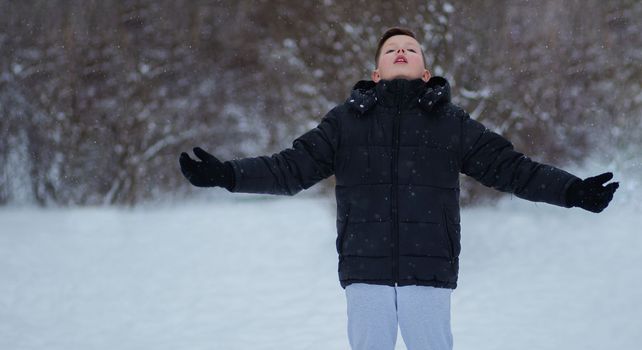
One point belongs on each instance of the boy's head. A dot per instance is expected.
(399, 55)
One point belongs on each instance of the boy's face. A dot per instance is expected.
(400, 57)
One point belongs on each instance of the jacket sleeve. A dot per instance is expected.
(490, 159)
(308, 161)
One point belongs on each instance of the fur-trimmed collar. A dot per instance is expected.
(366, 93)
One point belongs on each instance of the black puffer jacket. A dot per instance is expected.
(396, 149)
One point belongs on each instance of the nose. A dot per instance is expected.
(400, 50)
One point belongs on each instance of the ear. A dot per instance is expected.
(376, 76)
(425, 76)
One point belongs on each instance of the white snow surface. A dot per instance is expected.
(260, 272)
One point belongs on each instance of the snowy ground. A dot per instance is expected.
(253, 272)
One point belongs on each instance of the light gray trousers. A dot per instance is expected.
(422, 314)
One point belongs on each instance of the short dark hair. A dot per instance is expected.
(392, 32)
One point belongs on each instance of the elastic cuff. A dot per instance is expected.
(567, 189)
(234, 176)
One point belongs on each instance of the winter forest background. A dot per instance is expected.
(104, 244)
(98, 98)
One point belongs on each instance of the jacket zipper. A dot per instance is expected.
(449, 239)
(395, 190)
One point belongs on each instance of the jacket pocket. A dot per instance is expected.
(342, 230)
(449, 239)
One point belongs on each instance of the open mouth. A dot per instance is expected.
(401, 59)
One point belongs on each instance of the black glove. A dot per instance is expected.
(589, 193)
(208, 173)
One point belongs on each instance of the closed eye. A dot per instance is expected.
(411, 50)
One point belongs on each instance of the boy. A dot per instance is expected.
(396, 147)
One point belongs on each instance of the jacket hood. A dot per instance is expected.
(366, 93)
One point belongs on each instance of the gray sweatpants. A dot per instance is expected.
(422, 313)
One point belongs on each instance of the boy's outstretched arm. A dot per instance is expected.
(308, 161)
(490, 159)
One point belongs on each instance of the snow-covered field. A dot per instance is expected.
(259, 272)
